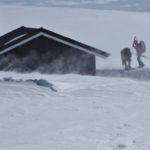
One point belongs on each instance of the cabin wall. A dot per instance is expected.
(48, 56)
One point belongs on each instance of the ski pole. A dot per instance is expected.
(142, 56)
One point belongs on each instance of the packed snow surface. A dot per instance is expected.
(85, 113)
(109, 111)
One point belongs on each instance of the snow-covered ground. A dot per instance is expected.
(86, 112)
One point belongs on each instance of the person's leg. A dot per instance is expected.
(141, 64)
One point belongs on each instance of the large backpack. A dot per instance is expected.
(142, 46)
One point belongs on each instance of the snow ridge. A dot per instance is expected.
(142, 74)
(39, 82)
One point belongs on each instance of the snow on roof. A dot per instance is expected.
(18, 37)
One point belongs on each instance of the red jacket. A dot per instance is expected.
(137, 46)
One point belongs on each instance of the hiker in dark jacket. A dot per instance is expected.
(140, 48)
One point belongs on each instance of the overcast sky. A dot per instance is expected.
(98, 4)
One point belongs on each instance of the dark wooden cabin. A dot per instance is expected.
(31, 49)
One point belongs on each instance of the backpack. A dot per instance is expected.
(142, 46)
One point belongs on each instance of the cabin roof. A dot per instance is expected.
(24, 35)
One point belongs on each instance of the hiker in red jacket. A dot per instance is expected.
(140, 48)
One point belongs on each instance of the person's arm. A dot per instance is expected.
(134, 45)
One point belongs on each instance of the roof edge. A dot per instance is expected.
(49, 34)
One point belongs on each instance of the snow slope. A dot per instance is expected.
(97, 113)
(105, 112)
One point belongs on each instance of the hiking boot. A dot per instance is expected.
(141, 66)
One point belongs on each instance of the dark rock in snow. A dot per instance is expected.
(43, 82)
(39, 82)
